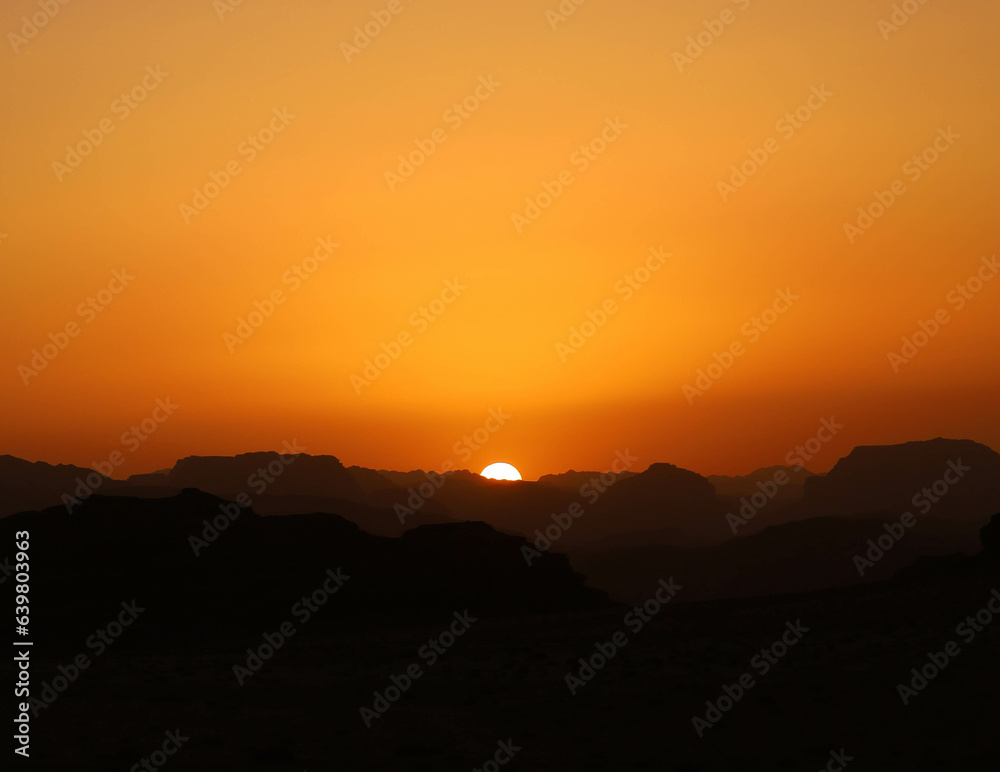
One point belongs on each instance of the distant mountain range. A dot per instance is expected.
(901, 477)
(747, 485)
(734, 535)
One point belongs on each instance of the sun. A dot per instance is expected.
(501, 471)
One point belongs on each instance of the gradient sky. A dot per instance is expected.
(495, 346)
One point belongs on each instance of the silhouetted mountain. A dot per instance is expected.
(368, 480)
(671, 503)
(248, 573)
(255, 473)
(894, 478)
(376, 520)
(27, 486)
(747, 485)
(153, 479)
(205, 650)
(299, 708)
(508, 506)
(794, 557)
(671, 537)
(663, 505)
(417, 477)
(662, 497)
(300, 487)
(990, 536)
(573, 480)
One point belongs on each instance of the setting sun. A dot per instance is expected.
(501, 471)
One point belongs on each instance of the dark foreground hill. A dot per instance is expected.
(803, 556)
(898, 675)
(205, 567)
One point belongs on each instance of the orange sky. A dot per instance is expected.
(305, 129)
